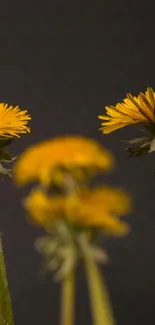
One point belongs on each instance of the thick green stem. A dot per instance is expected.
(100, 305)
(6, 316)
(67, 300)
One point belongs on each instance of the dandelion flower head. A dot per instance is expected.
(13, 121)
(98, 208)
(48, 159)
(132, 110)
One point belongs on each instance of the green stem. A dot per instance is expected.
(67, 300)
(6, 316)
(101, 310)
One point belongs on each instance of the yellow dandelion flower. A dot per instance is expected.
(132, 110)
(42, 208)
(99, 208)
(49, 159)
(13, 121)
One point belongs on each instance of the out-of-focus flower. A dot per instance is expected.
(73, 214)
(98, 208)
(49, 160)
(13, 121)
(133, 110)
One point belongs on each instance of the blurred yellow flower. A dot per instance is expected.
(49, 160)
(132, 110)
(13, 121)
(98, 208)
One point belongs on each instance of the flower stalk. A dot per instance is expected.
(100, 304)
(6, 316)
(67, 300)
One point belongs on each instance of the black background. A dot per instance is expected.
(64, 61)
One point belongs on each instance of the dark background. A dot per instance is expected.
(64, 61)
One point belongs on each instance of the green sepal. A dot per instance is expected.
(137, 151)
(5, 142)
(152, 145)
(136, 141)
(138, 147)
(5, 171)
(5, 156)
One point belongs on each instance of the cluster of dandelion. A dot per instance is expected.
(73, 213)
